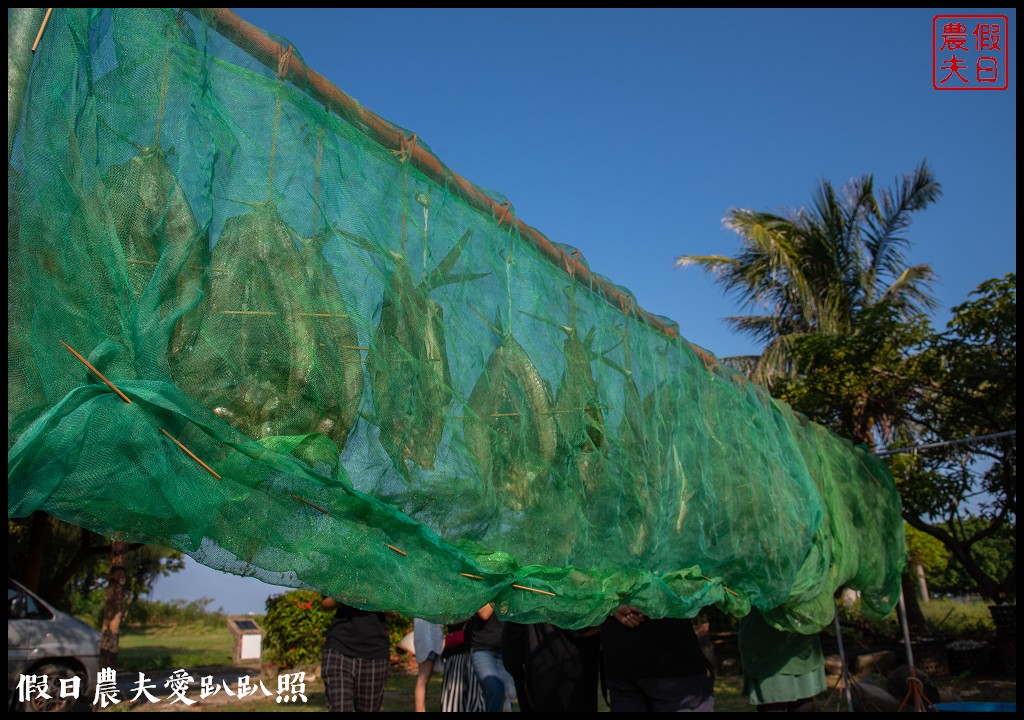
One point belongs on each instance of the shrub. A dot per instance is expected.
(175, 612)
(294, 628)
(397, 626)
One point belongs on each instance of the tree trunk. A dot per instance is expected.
(915, 618)
(922, 583)
(39, 534)
(113, 606)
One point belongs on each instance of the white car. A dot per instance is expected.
(45, 642)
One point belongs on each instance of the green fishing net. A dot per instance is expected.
(351, 370)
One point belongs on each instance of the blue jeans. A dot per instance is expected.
(496, 683)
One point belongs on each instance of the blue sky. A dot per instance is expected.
(630, 133)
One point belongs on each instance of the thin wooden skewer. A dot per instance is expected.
(728, 590)
(98, 373)
(190, 267)
(315, 507)
(39, 35)
(400, 552)
(546, 412)
(542, 592)
(272, 312)
(471, 577)
(190, 454)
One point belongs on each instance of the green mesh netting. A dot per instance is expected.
(410, 399)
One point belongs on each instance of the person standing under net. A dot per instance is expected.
(460, 692)
(555, 670)
(782, 671)
(653, 665)
(485, 631)
(354, 662)
(428, 642)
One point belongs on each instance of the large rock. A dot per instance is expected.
(871, 697)
(880, 663)
(897, 683)
(833, 665)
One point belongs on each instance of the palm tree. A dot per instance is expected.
(821, 270)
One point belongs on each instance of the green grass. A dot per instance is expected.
(173, 647)
(959, 619)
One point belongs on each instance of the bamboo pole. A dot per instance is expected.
(267, 52)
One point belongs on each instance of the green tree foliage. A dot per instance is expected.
(994, 553)
(862, 383)
(846, 340)
(824, 270)
(69, 565)
(965, 494)
(925, 550)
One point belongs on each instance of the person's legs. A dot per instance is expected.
(368, 678)
(692, 693)
(801, 705)
(336, 671)
(493, 678)
(423, 672)
(626, 696)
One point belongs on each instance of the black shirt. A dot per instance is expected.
(555, 670)
(657, 648)
(485, 634)
(358, 633)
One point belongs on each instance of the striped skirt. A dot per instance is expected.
(460, 692)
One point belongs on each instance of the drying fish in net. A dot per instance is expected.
(155, 224)
(578, 410)
(337, 358)
(257, 359)
(408, 360)
(510, 427)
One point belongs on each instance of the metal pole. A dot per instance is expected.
(22, 26)
(842, 659)
(946, 443)
(906, 633)
(914, 687)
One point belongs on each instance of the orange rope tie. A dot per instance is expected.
(406, 148)
(284, 61)
(915, 689)
(506, 207)
(576, 263)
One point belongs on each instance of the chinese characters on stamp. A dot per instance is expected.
(970, 52)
